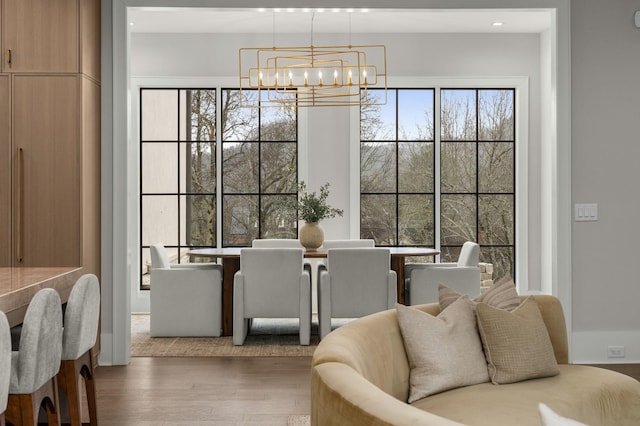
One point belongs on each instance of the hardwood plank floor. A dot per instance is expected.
(214, 390)
(204, 391)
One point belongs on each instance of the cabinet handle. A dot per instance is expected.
(8, 56)
(19, 195)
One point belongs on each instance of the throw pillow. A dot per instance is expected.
(502, 295)
(444, 352)
(516, 344)
(551, 418)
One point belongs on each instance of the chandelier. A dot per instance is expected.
(314, 75)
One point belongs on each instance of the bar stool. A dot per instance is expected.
(79, 336)
(35, 365)
(5, 365)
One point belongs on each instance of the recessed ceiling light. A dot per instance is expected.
(290, 9)
(262, 9)
(131, 24)
(320, 10)
(335, 10)
(497, 24)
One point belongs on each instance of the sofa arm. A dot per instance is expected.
(341, 396)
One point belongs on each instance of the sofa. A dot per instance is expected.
(360, 376)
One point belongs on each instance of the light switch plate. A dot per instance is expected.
(637, 18)
(586, 212)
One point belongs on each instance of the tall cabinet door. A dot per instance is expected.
(46, 144)
(5, 172)
(40, 36)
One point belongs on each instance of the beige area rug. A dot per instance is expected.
(268, 337)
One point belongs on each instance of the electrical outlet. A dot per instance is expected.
(615, 352)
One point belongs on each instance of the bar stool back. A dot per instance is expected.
(35, 365)
(5, 364)
(79, 336)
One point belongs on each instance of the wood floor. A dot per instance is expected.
(204, 391)
(213, 390)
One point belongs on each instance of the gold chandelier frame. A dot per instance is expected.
(312, 76)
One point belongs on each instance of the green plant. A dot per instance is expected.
(312, 207)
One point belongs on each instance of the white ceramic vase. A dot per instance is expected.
(311, 236)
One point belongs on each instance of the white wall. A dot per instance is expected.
(605, 150)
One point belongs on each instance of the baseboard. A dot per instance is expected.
(590, 347)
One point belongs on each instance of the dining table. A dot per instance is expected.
(230, 258)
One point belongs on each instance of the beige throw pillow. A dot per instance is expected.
(516, 344)
(444, 352)
(502, 295)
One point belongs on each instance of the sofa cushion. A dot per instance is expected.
(444, 352)
(502, 294)
(591, 395)
(516, 344)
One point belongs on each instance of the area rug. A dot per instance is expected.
(268, 337)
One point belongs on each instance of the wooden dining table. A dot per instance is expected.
(230, 257)
(18, 286)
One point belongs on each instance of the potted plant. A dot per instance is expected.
(313, 208)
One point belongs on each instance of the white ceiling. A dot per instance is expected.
(203, 20)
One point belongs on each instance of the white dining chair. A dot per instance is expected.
(281, 243)
(271, 283)
(356, 282)
(185, 299)
(332, 244)
(463, 276)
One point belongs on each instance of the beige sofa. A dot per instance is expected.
(360, 376)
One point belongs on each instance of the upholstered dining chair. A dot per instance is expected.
(185, 299)
(271, 283)
(280, 243)
(35, 365)
(78, 337)
(5, 365)
(331, 244)
(357, 282)
(276, 243)
(463, 276)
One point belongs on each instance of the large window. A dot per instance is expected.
(180, 190)
(177, 170)
(259, 169)
(406, 199)
(397, 169)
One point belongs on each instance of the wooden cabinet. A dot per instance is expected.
(46, 170)
(50, 133)
(40, 35)
(5, 171)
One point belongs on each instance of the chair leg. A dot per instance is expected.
(24, 409)
(70, 372)
(3, 422)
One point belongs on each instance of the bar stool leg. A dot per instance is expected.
(70, 372)
(24, 409)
